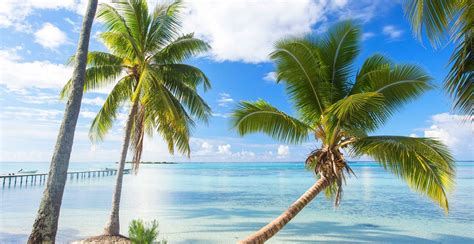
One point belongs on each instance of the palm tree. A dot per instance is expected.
(46, 222)
(146, 65)
(456, 18)
(340, 112)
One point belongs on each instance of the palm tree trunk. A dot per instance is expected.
(113, 226)
(276, 225)
(46, 222)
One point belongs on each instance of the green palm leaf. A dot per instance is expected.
(338, 51)
(298, 65)
(181, 49)
(262, 117)
(104, 119)
(358, 112)
(440, 19)
(425, 164)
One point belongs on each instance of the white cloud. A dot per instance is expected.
(252, 27)
(270, 77)
(456, 131)
(283, 150)
(42, 74)
(224, 99)
(224, 149)
(98, 101)
(50, 36)
(413, 135)
(367, 35)
(30, 114)
(244, 154)
(207, 147)
(392, 32)
(13, 13)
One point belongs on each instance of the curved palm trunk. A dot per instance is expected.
(276, 225)
(46, 222)
(113, 226)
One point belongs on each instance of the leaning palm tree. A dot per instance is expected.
(46, 222)
(146, 65)
(340, 112)
(441, 18)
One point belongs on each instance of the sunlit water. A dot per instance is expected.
(222, 202)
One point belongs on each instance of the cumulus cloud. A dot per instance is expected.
(13, 13)
(456, 131)
(252, 27)
(283, 150)
(50, 36)
(392, 32)
(224, 149)
(42, 74)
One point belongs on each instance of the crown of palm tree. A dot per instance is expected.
(341, 111)
(145, 65)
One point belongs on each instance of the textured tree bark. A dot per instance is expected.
(46, 222)
(276, 225)
(113, 226)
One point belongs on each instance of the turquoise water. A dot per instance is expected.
(222, 202)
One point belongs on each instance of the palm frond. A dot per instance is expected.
(434, 15)
(104, 119)
(164, 25)
(338, 50)
(425, 164)
(372, 64)
(116, 24)
(398, 84)
(184, 73)
(298, 65)
(262, 117)
(96, 77)
(362, 111)
(181, 49)
(459, 81)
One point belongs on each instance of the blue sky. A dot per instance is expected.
(37, 38)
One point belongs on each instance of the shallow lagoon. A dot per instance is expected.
(221, 202)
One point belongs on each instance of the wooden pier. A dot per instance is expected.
(40, 179)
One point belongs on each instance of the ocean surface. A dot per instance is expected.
(223, 202)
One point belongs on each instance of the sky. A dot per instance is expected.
(38, 36)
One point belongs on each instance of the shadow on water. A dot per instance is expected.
(341, 233)
(63, 236)
(327, 232)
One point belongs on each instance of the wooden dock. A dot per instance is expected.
(40, 179)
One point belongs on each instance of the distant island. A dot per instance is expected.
(129, 162)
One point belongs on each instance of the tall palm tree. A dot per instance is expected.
(46, 222)
(146, 65)
(441, 18)
(340, 111)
